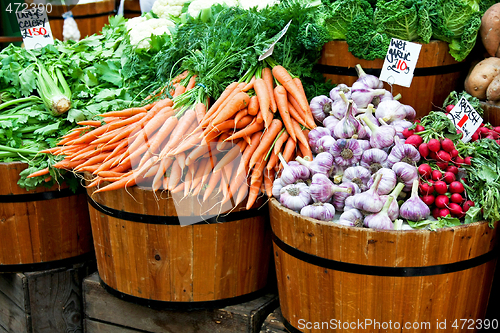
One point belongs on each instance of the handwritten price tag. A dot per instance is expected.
(465, 118)
(35, 28)
(278, 36)
(400, 62)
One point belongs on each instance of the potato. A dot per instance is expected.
(480, 77)
(493, 91)
(490, 30)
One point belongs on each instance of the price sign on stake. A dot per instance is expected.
(465, 118)
(400, 62)
(35, 28)
(278, 36)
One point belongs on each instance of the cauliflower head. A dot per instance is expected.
(165, 8)
(141, 31)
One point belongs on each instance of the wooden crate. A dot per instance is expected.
(274, 323)
(47, 301)
(105, 313)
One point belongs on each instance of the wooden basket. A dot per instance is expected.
(145, 256)
(41, 229)
(331, 273)
(435, 76)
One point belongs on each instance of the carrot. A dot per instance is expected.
(187, 144)
(247, 131)
(178, 188)
(283, 77)
(249, 85)
(282, 103)
(191, 83)
(90, 168)
(124, 113)
(306, 152)
(266, 142)
(300, 135)
(152, 125)
(309, 116)
(179, 90)
(118, 150)
(242, 193)
(180, 77)
(267, 76)
(159, 179)
(200, 109)
(188, 180)
(237, 181)
(272, 161)
(175, 175)
(124, 182)
(93, 160)
(38, 173)
(253, 106)
(182, 127)
(199, 173)
(268, 181)
(78, 155)
(289, 149)
(225, 179)
(247, 154)
(280, 142)
(238, 102)
(95, 182)
(66, 164)
(255, 183)
(202, 149)
(163, 133)
(106, 174)
(93, 123)
(225, 94)
(212, 183)
(152, 170)
(231, 155)
(52, 151)
(295, 114)
(240, 114)
(262, 93)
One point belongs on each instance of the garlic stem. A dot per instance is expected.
(343, 96)
(397, 97)
(397, 190)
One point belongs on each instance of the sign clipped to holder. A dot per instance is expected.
(35, 28)
(276, 38)
(465, 118)
(400, 62)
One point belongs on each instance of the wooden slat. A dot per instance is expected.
(14, 286)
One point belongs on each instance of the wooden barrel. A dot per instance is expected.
(328, 273)
(41, 229)
(131, 8)
(90, 17)
(435, 76)
(144, 255)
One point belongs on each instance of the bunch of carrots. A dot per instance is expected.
(236, 147)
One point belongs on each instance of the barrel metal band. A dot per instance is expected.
(49, 195)
(184, 306)
(421, 71)
(174, 220)
(43, 266)
(385, 270)
(82, 17)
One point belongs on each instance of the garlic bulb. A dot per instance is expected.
(324, 144)
(390, 110)
(406, 174)
(293, 171)
(322, 163)
(403, 152)
(387, 182)
(351, 218)
(319, 211)
(349, 126)
(373, 159)
(381, 136)
(295, 196)
(369, 201)
(339, 198)
(330, 122)
(357, 175)
(380, 220)
(316, 134)
(277, 186)
(320, 106)
(335, 92)
(414, 209)
(322, 188)
(393, 210)
(346, 152)
(369, 80)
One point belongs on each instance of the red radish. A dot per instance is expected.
(435, 212)
(468, 204)
(456, 198)
(442, 165)
(419, 128)
(440, 187)
(428, 199)
(464, 180)
(454, 153)
(459, 161)
(455, 210)
(423, 149)
(436, 174)
(441, 201)
(494, 135)
(444, 212)
(475, 136)
(447, 145)
(433, 155)
(449, 107)
(426, 188)
(456, 187)
(407, 133)
(490, 136)
(449, 177)
(443, 156)
(498, 141)
(424, 170)
(414, 140)
(468, 160)
(434, 145)
(453, 169)
(460, 132)
(483, 131)
(497, 129)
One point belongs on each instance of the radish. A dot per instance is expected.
(414, 140)
(436, 174)
(442, 165)
(475, 136)
(468, 204)
(441, 201)
(428, 199)
(444, 212)
(456, 198)
(419, 128)
(440, 187)
(449, 177)
(497, 129)
(434, 145)
(407, 133)
(483, 131)
(443, 156)
(424, 170)
(426, 188)
(435, 212)
(460, 132)
(449, 107)
(455, 187)
(447, 145)
(423, 149)
(468, 160)
(455, 210)
(459, 161)
(453, 169)
(454, 153)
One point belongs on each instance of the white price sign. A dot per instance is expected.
(465, 118)
(280, 35)
(35, 28)
(400, 62)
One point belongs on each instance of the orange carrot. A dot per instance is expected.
(268, 181)
(93, 123)
(38, 173)
(66, 164)
(262, 93)
(124, 182)
(255, 183)
(266, 142)
(180, 77)
(212, 183)
(247, 131)
(300, 135)
(106, 174)
(124, 113)
(201, 110)
(282, 103)
(179, 90)
(191, 83)
(280, 142)
(249, 85)
(295, 114)
(190, 142)
(289, 149)
(253, 106)
(272, 161)
(309, 116)
(230, 156)
(247, 154)
(267, 76)
(238, 102)
(93, 160)
(225, 94)
(159, 179)
(306, 151)
(240, 114)
(175, 175)
(177, 133)
(283, 77)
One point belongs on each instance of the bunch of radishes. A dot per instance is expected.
(443, 192)
(487, 132)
